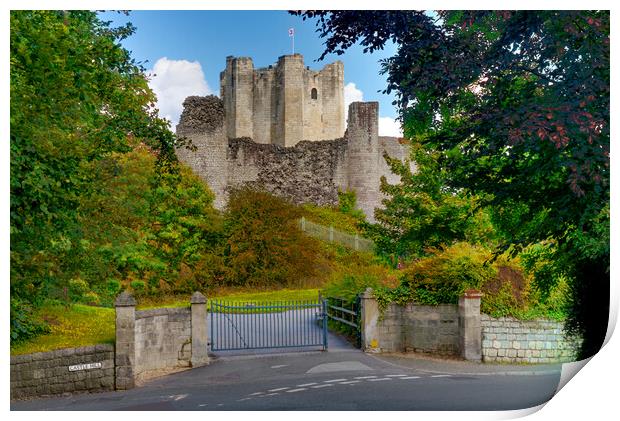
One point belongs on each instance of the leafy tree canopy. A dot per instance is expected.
(516, 103)
(76, 97)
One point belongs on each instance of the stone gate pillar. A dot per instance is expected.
(200, 330)
(470, 329)
(369, 317)
(125, 354)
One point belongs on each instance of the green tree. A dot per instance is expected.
(517, 104)
(76, 97)
(421, 211)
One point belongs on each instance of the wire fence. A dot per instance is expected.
(334, 236)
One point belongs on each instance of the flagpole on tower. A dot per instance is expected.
(291, 34)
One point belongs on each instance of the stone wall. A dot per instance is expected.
(525, 341)
(306, 172)
(153, 342)
(445, 329)
(309, 172)
(162, 340)
(418, 328)
(48, 373)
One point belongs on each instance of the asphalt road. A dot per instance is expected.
(340, 379)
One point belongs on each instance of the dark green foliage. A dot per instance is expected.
(23, 323)
(421, 212)
(76, 97)
(347, 202)
(516, 103)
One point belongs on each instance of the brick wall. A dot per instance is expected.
(47, 373)
(525, 341)
(162, 340)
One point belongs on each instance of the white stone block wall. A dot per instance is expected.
(507, 339)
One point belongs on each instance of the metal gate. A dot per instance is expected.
(262, 325)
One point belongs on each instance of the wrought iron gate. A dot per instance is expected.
(261, 325)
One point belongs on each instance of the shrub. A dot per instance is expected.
(347, 204)
(445, 274)
(77, 289)
(138, 287)
(354, 272)
(264, 245)
(91, 298)
(113, 287)
(509, 290)
(24, 324)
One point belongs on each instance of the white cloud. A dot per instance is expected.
(387, 126)
(351, 94)
(173, 81)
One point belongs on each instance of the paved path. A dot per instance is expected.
(342, 379)
(286, 329)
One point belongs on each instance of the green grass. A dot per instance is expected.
(232, 296)
(332, 216)
(77, 325)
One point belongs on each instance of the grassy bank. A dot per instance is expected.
(72, 326)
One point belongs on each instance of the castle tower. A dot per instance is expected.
(290, 107)
(237, 87)
(363, 155)
(283, 104)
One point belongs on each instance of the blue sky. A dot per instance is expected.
(187, 50)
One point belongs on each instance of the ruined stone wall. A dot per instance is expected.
(309, 172)
(202, 122)
(305, 173)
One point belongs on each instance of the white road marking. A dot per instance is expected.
(334, 380)
(322, 385)
(350, 382)
(296, 390)
(379, 380)
(441, 375)
(256, 393)
(395, 375)
(179, 397)
(365, 377)
(272, 394)
(279, 366)
(278, 389)
(244, 399)
(203, 404)
(410, 377)
(306, 384)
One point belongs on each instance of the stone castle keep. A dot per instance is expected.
(282, 104)
(281, 128)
